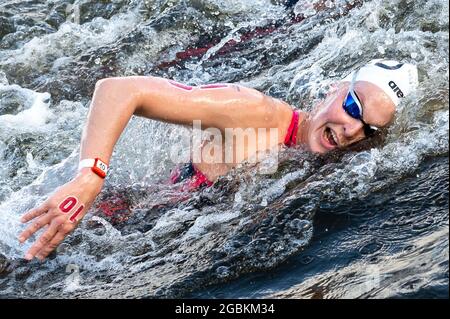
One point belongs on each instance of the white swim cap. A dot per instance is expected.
(396, 79)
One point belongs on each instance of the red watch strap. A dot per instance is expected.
(96, 165)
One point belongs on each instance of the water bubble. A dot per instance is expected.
(229, 24)
(329, 4)
(306, 9)
(371, 248)
(223, 272)
(306, 259)
(3, 79)
(299, 224)
(32, 164)
(264, 202)
(64, 249)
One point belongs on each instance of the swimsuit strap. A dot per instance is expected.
(291, 136)
(188, 172)
(199, 179)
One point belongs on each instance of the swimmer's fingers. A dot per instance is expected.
(35, 212)
(63, 231)
(34, 227)
(42, 241)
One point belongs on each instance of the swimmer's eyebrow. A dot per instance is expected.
(363, 98)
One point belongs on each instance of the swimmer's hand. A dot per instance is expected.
(60, 213)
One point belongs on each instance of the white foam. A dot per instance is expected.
(71, 38)
(204, 224)
(32, 119)
(3, 79)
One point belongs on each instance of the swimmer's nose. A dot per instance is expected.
(353, 130)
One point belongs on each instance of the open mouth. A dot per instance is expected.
(331, 137)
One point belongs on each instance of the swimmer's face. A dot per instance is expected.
(330, 127)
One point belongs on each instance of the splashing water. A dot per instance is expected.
(380, 214)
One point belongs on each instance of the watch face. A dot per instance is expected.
(100, 168)
(101, 165)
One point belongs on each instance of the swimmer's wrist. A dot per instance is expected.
(89, 177)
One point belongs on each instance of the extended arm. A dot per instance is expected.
(114, 102)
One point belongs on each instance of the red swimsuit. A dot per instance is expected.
(291, 136)
(194, 178)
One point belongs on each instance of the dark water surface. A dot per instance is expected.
(399, 257)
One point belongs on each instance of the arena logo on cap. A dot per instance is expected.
(389, 67)
(395, 88)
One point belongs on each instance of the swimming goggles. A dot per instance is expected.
(352, 105)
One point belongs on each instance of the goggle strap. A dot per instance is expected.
(357, 101)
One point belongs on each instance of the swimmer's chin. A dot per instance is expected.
(314, 149)
(319, 150)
